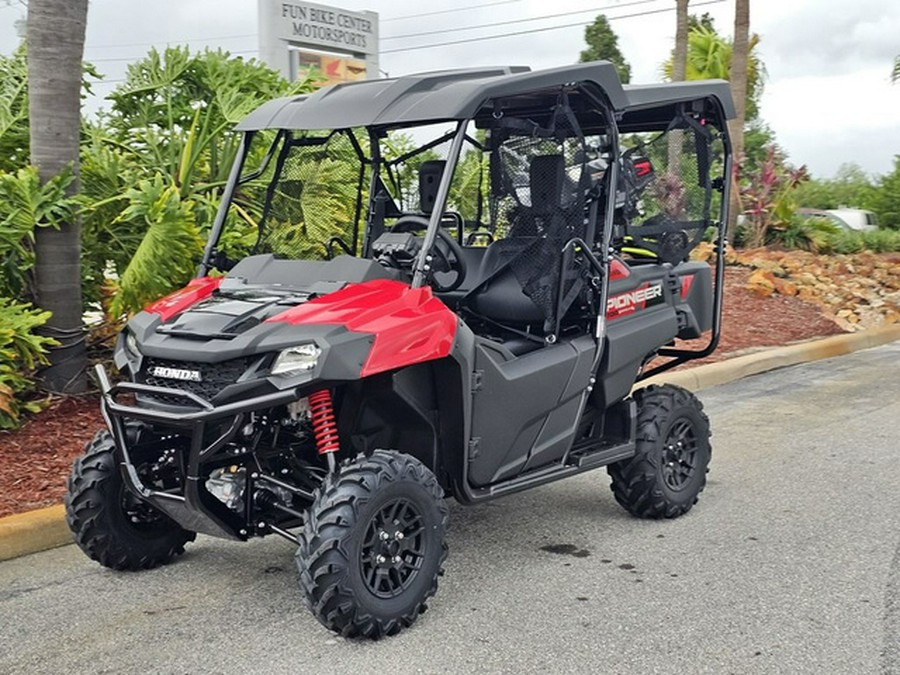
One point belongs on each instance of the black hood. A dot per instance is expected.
(230, 312)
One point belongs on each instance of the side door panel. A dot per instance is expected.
(525, 411)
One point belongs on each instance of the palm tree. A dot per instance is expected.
(740, 54)
(55, 41)
(709, 56)
(679, 71)
(679, 58)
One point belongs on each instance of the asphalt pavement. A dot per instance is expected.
(788, 564)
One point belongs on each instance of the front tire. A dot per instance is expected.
(373, 545)
(111, 525)
(667, 473)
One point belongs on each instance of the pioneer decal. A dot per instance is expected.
(628, 303)
(176, 374)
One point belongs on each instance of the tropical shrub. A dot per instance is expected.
(165, 259)
(768, 198)
(885, 199)
(166, 135)
(809, 234)
(27, 204)
(13, 111)
(851, 186)
(21, 351)
(852, 241)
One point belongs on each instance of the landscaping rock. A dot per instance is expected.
(857, 291)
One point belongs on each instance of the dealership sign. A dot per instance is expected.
(286, 27)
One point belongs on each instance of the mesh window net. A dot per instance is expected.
(666, 179)
(315, 201)
(539, 192)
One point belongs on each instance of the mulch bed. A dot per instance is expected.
(35, 460)
(750, 322)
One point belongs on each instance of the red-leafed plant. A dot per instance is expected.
(767, 196)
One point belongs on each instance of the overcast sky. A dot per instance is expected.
(828, 95)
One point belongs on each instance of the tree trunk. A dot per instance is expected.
(679, 59)
(55, 42)
(679, 72)
(739, 56)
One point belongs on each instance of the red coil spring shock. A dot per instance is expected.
(323, 422)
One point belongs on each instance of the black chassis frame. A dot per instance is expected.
(198, 511)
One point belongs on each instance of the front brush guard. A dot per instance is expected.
(195, 510)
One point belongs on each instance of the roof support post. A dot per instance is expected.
(234, 177)
(423, 263)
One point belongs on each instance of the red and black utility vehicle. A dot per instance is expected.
(440, 284)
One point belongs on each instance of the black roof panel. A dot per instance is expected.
(436, 96)
(457, 94)
(653, 95)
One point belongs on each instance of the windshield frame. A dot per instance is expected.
(422, 266)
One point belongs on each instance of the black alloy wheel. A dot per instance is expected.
(373, 545)
(679, 455)
(394, 548)
(667, 473)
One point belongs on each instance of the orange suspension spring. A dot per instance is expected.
(323, 421)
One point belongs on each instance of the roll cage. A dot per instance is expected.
(585, 101)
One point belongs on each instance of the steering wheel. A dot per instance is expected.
(457, 264)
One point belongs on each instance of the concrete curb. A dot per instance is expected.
(33, 531)
(712, 374)
(43, 529)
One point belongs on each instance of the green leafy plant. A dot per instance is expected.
(170, 121)
(882, 241)
(809, 234)
(851, 186)
(885, 200)
(853, 241)
(471, 176)
(165, 258)
(709, 56)
(21, 351)
(324, 207)
(13, 111)
(27, 204)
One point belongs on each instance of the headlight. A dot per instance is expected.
(294, 359)
(131, 344)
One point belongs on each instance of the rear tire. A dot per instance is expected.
(111, 525)
(373, 546)
(668, 471)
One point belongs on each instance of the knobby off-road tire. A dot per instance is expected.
(109, 524)
(373, 546)
(668, 471)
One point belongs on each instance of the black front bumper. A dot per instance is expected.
(195, 510)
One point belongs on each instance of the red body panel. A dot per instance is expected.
(410, 325)
(686, 283)
(177, 302)
(618, 270)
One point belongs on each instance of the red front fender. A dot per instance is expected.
(410, 325)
